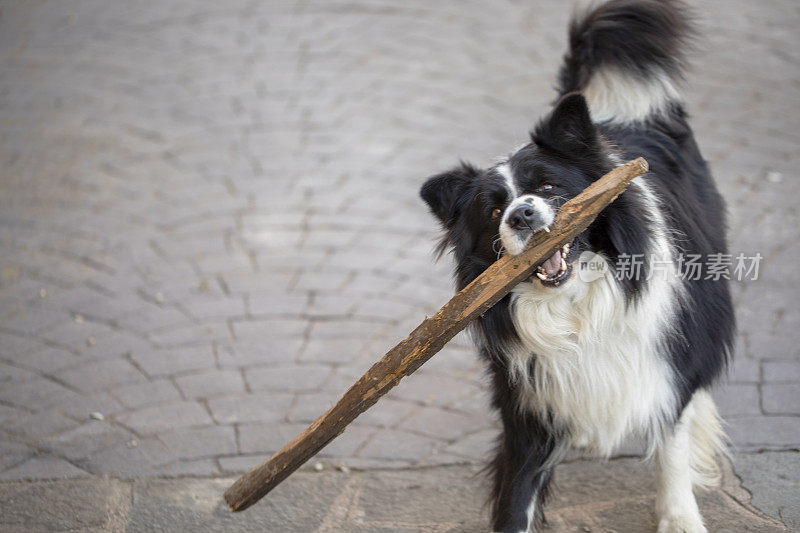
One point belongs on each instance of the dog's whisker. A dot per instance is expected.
(498, 251)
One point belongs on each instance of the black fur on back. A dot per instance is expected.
(703, 339)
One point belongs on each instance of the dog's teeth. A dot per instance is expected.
(566, 248)
(547, 229)
(541, 276)
(563, 265)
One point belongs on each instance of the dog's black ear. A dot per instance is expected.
(444, 191)
(569, 129)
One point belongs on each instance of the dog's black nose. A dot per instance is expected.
(524, 216)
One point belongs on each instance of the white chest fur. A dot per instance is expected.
(599, 365)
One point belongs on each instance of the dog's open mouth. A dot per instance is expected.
(557, 269)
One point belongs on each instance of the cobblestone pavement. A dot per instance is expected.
(209, 222)
(615, 497)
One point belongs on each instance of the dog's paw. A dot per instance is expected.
(687, 523)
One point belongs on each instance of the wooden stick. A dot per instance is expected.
(432, 334)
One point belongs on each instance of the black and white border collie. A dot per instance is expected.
(582, 361)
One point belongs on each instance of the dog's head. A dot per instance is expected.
(489, 212)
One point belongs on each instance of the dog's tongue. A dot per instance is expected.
(553, 265)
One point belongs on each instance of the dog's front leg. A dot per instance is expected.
(676, 507)
(522, 470)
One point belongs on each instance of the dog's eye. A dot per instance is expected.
(496, 213)
(544, 187)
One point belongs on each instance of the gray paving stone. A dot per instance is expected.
(744, 370)
(477, 446)
(259, 407)
(393, 444)
(308, 407)
(219, 264)
(767, 432)
(204, 308)
(44, 394)
(322, 281)
(445, 498)
(356, 330)
(333, 239)
(48, 360)
(165, 503)
(457, 361)
(772, 479)
(442, 424)
(256, 352)
(13, 453)
(174, 361)
(75, 504)
(36, 425)
(276, 304)
(128, 310)
(192, 334)
(154, 318)
(165, 416)
(75, 336)
(381, 308)
(38, 393)
(43, 467)
(294, 378)
(737, 399)
(210, 383)
(271, 328)
(266, 438)
(269, 281)
(13, 345)
(94, 375)
(113, 345)
(781, 371)
(193, 443)
(787, 332)
(150, 392)
(239, 464)
(191, 468)
(781, 398)
(348, 444)
(85, 440)
(132, 459)
(10, 373)
(371, 284)
(331, 306)
(81, 406)
(433, 389)
(332, 351)
(388, 413)
(30, 321)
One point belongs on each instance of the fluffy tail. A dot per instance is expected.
(628, 57)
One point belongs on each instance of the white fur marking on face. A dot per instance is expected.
(547, 213)
(505, 171)
(619, 97)
(513, 242)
